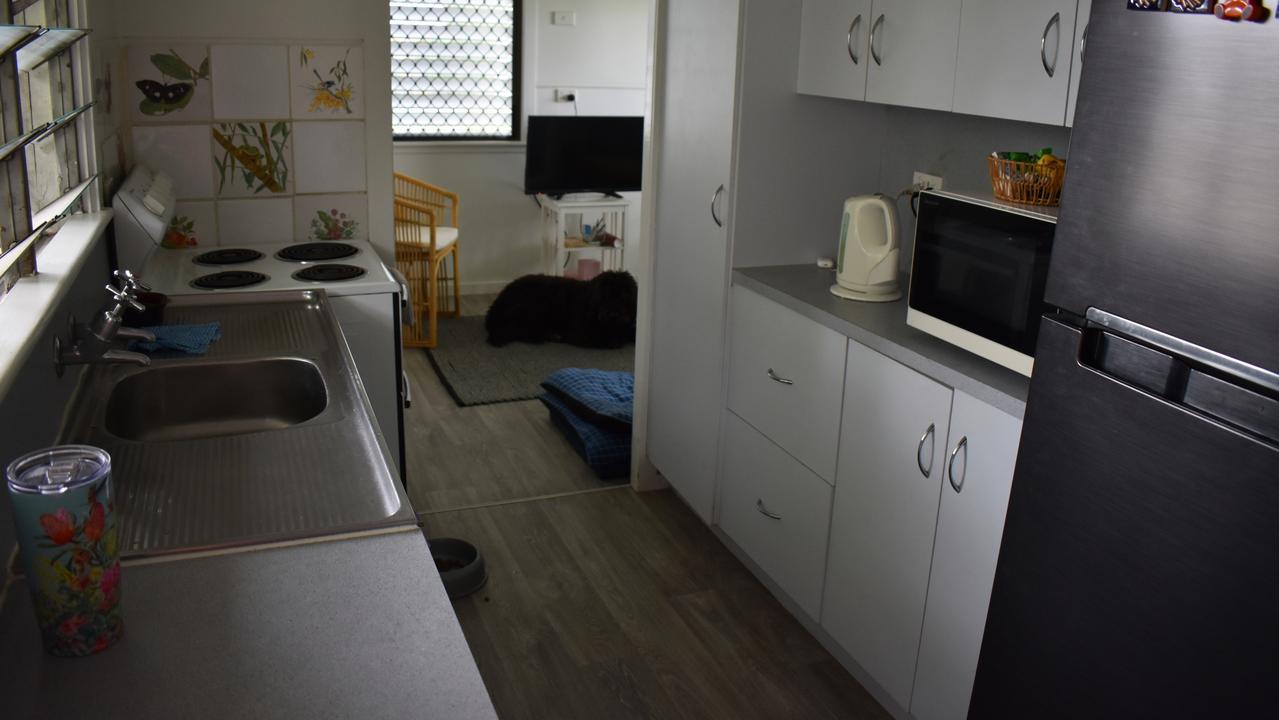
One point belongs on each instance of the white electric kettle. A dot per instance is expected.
(868, 250)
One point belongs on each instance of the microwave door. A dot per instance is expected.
(970, 266)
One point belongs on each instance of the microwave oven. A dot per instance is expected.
(978, 274)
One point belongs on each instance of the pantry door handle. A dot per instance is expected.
(715, 206)
(1043, 45)
(852, 30)
(950, 467)
(778, 378)
(874, 35)
(919, 451)
(759, 505)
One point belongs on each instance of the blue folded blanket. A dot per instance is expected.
(187, 339)
(605, 398)
(605, 450)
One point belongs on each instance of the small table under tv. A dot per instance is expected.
(566, 240)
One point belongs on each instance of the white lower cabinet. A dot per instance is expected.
(892, 450)
(776, 510)
(979, 473)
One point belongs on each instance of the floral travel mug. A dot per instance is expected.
(63, 507)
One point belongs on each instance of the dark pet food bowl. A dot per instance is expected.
(461, 566)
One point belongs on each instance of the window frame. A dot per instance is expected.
(517, 86)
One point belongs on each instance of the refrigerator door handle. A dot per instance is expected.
(1187, 350)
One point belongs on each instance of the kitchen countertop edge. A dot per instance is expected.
(882, 327)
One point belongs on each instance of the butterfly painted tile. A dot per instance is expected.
(331, 217)
(169, 82)
(253, 158)
(326, 81)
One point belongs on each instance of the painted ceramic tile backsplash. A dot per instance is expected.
(194, 224)
(252, 158)
(255, 221)
(169, 82)
(326, 81)
(181, 151)
(330, 217)
(329, 156)
(250, 81)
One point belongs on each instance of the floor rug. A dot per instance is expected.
(476, 373)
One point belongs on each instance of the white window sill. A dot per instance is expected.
(29, 306)
(451, 147)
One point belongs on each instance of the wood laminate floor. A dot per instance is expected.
(616, 604)
(464, 457)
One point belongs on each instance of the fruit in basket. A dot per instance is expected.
(1050, 160)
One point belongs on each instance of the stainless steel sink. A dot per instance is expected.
(269, 437)
(204, 400)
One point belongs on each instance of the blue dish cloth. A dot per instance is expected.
(606, 451)
(603, 397)
(183, 339)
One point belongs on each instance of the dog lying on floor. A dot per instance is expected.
(597, 313)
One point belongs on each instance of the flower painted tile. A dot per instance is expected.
(250, 81)
(194, 224)
(169, 82)
(329, 157)
(181, 151)
(253, 158)
(331, 217)
(255, 221)
(326, 81)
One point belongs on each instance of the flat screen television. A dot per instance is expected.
(570, 153)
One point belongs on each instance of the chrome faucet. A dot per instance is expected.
(93, 344)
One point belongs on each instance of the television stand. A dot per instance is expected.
(564, 238)
(605, 193)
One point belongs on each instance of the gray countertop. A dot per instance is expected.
(882, 327)
(356, 627)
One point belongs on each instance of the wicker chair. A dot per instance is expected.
(426, 235)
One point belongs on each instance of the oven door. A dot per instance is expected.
(981, 269)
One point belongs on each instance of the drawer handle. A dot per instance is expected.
(950, 467)
(759, 505)
(919, 451)
(779, 379)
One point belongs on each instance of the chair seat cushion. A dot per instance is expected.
(604, 398)
(444, 236)
(606, 451)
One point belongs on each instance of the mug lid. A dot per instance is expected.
(55, 470)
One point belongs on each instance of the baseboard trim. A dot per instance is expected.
(814, 628)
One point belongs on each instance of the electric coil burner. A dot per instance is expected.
(329, 273)
(317, 252)
(227, 256)
(229, 279)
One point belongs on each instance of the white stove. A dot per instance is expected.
(340, 268)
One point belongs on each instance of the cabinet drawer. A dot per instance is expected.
(786, 378)
(776, 510)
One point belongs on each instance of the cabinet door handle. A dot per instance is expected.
(759, 505)
(1043, 45)
(852, 30)
(874, 36)
(1083, 43)
(919, 451)
(779, 379)
(715, 206)
(958, 484)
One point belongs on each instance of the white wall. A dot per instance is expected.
(284, 20)
(604, 58)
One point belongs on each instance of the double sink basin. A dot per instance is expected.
(267, 438)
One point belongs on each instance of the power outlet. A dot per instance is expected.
(930, 182)
(563, 18)
(565, 95)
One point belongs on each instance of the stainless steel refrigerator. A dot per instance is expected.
(1139, 571)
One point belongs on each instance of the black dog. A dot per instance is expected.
(597, 313)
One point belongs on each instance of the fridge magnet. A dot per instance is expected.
(326, 81)
(170, 81)
(1155, 5)
(1240, 10)
(252, 157)
(1190, 6)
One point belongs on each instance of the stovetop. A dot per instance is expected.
(358, 270)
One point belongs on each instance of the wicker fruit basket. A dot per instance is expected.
(1027, 183)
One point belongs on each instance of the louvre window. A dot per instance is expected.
(455, 69)
(42, 177)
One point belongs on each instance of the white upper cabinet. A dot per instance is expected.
(912, 47)
(1014, 59)
(833, 48)
(1081, 38)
